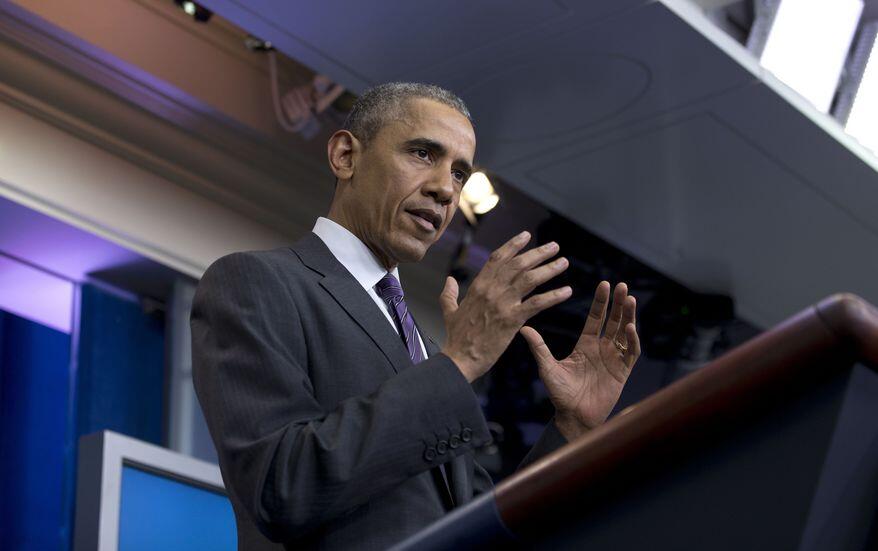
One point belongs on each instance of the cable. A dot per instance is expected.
(275, 97)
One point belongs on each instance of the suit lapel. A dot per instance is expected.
(429, 344)
(351, 296)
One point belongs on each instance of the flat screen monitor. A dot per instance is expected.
(134, 496)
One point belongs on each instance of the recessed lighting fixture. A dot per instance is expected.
(804, 43)
(194, 10)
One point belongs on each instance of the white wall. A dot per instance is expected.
(56, 173)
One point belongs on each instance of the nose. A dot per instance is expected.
(440, 186)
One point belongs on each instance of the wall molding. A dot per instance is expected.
(58, 78)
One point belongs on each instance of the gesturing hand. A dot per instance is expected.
(585, 386)
(481, 327)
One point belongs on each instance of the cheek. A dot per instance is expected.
(449, 215)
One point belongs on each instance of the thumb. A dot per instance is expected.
(537, 346)
(448, 296)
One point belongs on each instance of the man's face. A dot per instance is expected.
(407, 181)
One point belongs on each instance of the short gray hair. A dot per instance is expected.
(385, 102)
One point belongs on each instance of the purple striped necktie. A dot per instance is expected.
(390, 292)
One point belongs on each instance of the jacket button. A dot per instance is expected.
(442, 447)
(430, 454)
(454, 441)
(466, 434)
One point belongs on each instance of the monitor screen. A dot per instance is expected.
(161, 512)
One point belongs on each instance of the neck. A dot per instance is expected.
(337, 215)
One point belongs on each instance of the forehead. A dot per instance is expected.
(426, 118)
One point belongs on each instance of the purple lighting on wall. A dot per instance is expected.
(55, 246)
(42, 259)
(35, 295)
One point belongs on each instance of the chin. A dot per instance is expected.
(412, 252)
(411, 256)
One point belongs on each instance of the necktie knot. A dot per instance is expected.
(389, 289)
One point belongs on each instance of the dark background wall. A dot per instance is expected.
(680, 331)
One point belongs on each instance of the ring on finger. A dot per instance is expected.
(621, 347)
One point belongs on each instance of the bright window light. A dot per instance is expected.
(862, 121)
(808, 43)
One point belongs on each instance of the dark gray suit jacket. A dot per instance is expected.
(328, 437)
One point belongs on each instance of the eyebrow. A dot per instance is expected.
(440, 150)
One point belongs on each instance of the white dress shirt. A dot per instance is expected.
(356, 257)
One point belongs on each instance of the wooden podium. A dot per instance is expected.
(772, 446)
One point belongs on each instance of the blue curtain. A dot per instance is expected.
(115, 382)
(34, 390)
(120, 367)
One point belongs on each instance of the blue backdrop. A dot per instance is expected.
(47, 402)
(120, 367)
(34, 387)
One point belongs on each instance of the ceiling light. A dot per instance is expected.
(477, 197)
(486, 204)
(196, 11)
(804, 43)
(477, 188)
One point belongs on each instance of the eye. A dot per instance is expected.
(459, 176)
(422, 154)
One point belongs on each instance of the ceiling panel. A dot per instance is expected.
(362, 43)
(624, 69)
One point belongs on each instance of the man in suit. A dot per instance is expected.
(337, 424)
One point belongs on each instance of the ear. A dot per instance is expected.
(343, 149)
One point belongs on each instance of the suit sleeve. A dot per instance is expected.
(291, 464)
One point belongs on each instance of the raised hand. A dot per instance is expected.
(481, 327)
(585, 386)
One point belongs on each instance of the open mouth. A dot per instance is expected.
(427, 219)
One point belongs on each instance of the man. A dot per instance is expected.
(337, 424)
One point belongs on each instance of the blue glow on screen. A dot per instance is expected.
(161, 513)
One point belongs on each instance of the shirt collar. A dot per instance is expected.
(353, 254)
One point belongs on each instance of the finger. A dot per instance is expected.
(448, 296)
(614, 322)
(598, 310)
(506, 252)
(628, 309)
(537, 303)
(528, 259)
(633, 345)
(537, 346)
(530, 280)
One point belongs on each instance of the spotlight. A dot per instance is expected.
(197, 12)
(478, 196)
